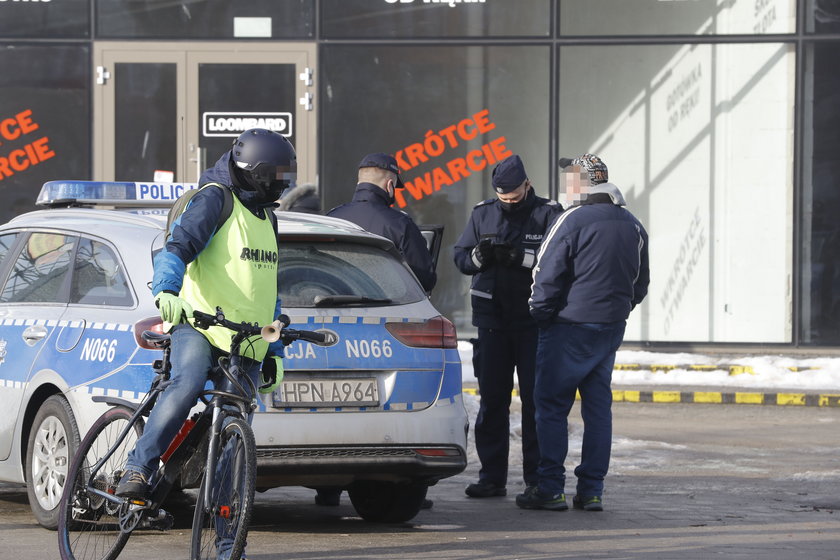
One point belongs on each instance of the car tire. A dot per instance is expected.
(387, 502)
(53, 440)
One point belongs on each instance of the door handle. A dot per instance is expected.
(32, 335)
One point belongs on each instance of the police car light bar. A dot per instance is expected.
(109, 193)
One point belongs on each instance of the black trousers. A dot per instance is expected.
(496, 354)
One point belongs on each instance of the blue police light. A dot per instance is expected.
(110, 193)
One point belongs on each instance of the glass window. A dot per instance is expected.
(205, 19)
(41, 270)
(43, 20)
(310, 273)
(820, 286)
(98, 277)
(146, 139)
(449, 114)
(658, 17)
(824, 16)
(7, 241)
(700, 140)
(222, 97)
(45, 115)
(435, 18)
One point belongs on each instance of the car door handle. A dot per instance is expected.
(34, 334)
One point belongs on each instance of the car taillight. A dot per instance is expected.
(437, 332)
(154, 324)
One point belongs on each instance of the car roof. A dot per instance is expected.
(113, 220)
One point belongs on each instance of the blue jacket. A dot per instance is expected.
(194, 229)
(371, 209)
(500, 293)
(592, 266)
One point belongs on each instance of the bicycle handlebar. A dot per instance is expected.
(270, 333)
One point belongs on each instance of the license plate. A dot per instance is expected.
(327, 393)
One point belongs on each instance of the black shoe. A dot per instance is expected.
(427, 504)
(133, 484)
(532, 498)
(328, 497)
(588, 503)
(485, 490)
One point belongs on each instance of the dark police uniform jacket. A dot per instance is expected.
(371, 210)
(500, 293)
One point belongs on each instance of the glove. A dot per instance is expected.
(507, 255)
(271, 373)
(483, 252)
(173, 309)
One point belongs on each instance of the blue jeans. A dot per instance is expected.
(575, 357)
(192, 358)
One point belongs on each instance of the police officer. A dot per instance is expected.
(498, 249)
(378, 179)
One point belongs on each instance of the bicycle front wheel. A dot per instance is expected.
(220, 527)
(88, 524)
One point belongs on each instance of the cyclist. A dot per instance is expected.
(201, 268)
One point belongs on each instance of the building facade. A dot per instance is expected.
(718, 119)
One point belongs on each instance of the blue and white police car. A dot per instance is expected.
(379, 413)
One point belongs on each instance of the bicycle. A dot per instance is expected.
(95, 524)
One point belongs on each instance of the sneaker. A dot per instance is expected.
(133, 484)
(485, 490)
(588, 503)
(532, 498)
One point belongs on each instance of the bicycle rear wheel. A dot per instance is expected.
(89, 525)
(220, 528)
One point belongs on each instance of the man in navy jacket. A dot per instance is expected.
(498, 249)
(592, 270)
(371, 209)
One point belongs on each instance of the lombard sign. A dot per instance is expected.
(450, 2)
(234, 124)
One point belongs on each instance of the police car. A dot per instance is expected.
(379, 412)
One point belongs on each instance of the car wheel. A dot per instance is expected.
(53, 440)
(387, 502)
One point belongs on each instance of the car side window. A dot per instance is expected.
(7, 241)
(41, 270)
(98, 276)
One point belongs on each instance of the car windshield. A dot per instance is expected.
(312, 274)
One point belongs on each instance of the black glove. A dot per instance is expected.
(507, 255)
(483, 252)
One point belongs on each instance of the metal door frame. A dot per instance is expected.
(187, 56)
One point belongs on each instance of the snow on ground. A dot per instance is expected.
(760, 372)
(765, 373)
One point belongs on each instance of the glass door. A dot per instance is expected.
(168, 111)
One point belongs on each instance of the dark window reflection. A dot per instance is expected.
(826, 15)
(48, 88)
(823, 291)
(382, 18)
(205, 19)
(146, 120)
(42, 20)
(390, 98)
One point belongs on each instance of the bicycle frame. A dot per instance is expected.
(227, 391)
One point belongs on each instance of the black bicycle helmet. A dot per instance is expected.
(266, 160)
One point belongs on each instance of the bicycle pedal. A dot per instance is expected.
(136, 504)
